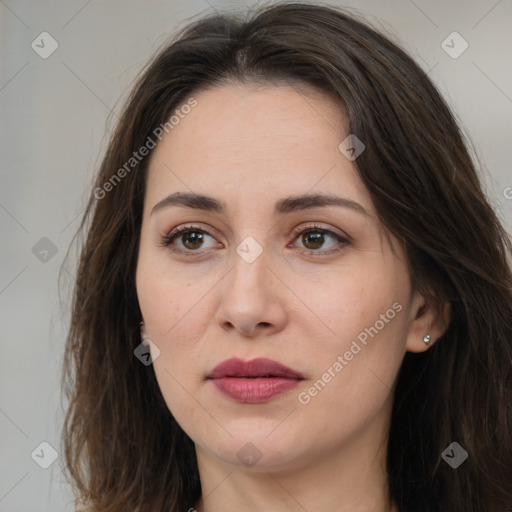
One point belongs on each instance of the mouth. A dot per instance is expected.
(255, 381)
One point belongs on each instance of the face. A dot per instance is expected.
(259, 241)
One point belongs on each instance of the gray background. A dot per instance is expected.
(55, 117)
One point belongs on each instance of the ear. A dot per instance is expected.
(426, 319)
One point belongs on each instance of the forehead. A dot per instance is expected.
(262, 141)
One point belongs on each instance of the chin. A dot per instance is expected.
(261, 448)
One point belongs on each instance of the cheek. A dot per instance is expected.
(364, 327)
(175, 313)
(172, 304)
(345, 301)
(175, 320)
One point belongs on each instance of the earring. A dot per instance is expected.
(427, 338)
(141, 335)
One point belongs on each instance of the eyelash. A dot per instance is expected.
(167, 240)
(342, 242)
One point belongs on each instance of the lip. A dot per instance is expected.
(255, 381)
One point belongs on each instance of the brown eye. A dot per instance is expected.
(192, 240)
(320, 240)
(189, 239)
(313, 240)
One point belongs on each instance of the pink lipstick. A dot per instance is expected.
(255, 381)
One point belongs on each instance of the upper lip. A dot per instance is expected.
(260, 367)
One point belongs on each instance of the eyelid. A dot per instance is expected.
(327, 230)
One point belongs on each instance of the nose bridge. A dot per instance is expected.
(250, 264)
(249, 300)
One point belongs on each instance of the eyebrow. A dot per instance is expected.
(283, 206)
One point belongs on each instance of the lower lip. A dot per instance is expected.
(254, 391)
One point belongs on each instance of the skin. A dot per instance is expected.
(249, 146)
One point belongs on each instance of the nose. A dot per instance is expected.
(253, 301)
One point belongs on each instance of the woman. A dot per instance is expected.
(293, 294)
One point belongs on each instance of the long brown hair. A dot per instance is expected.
(123, 449)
